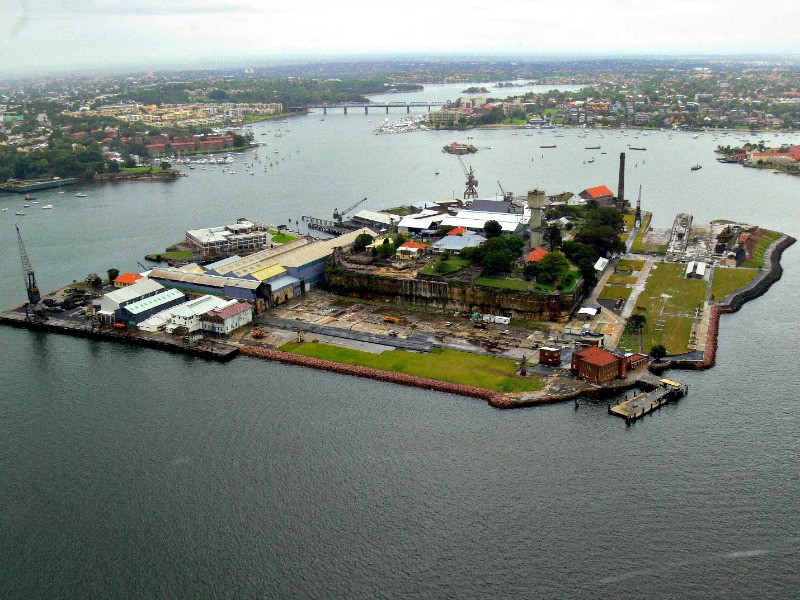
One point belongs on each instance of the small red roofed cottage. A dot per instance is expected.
(126, 279)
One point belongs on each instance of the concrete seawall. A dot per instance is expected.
(218, 352)
(495, 399)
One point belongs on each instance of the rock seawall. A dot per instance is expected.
(495, 399)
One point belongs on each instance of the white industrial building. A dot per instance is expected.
(476, 220)
(188, 314)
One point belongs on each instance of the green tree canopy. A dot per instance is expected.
(492, 229)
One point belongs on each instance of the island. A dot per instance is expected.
(583, 298)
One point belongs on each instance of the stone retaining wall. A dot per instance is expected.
(495, 399)
(734, 301)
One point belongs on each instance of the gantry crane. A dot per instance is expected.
(31, 288)
(472, 183)
(337, 216)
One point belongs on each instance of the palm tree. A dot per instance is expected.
(637, 323)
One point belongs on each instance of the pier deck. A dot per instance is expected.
(645, 403)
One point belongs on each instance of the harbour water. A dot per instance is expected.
(133, 473)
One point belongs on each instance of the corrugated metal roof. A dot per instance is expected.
(220, 263)
(281, 282)
(206, 280)
(321, 249)
(198, 306)
(248, 264)
(138, 289)
(376, 217)
(164, 297)
(268, 272)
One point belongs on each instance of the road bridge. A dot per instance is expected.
(367, 105)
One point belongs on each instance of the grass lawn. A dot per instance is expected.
(629, 223)
(623, 279)
(177, 255)
(667, 289)
(506, 284)
(445, 365)
(612, 292)
(728, 279)
(638, 241)
(279, 237)
(447, 267)
(760, 250)
(140, 169)
(627, 265)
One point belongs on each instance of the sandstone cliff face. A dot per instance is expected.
(457, 296)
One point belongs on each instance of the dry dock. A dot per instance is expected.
(643, 404)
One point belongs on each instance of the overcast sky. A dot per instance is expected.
(55, 35)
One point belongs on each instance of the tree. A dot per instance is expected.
(658, 351)
(165, 165)
(94, 280)
(552, 236)
(113, 166)
(637, 321)
(112, 274)
(497, 261)
(551, 267)
(362, 241)
(530, 271)
(492, 229)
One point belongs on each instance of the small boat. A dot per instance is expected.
(61, 191)
(19, 213)
(634, 148)
(697, 167)
(47, 207)
(548, 146)
(29, 197)
(591, 160)
(80, 195)
(592, 148)
(4, 210)
(26, 206)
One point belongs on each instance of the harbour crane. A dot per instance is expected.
(472, 183)
(34, 296)
(337, 216)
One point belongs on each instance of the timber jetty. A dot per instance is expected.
(645, 403)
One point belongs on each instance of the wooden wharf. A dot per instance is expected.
(643, 404)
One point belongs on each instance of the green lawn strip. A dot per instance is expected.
(728, 279)
(141, 169)
(622, 279)
(682, 297)
(612, 292)
(760, 250)
(177, 255)
(629, 220)
(638, 241)
(629, 265)
(278, 237)
(488, 372)
(446, 267)
(506, 284)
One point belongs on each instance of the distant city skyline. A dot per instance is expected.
(57, 36)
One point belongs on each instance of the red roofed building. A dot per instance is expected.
(409, 250)
(457, 231)
(126, 279)
(536, 255)
(597, 365)
(223, 320)
(600, 193)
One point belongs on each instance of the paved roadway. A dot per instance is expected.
(415, 344)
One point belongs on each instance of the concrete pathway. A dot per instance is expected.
(649, 261)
